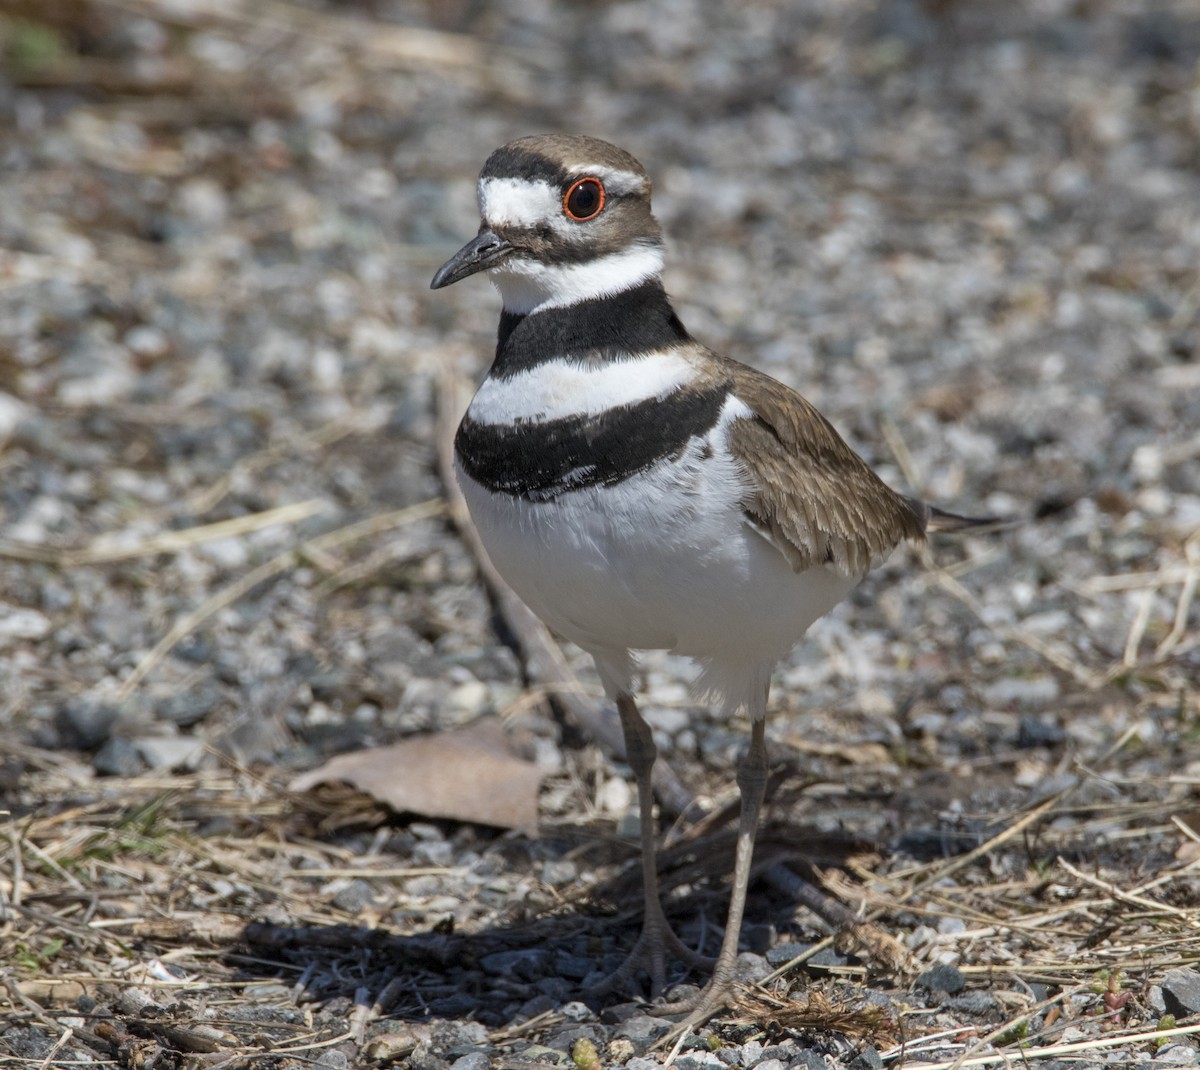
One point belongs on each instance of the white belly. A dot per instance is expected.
(662, 560)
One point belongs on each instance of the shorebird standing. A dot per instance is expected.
(641, 492)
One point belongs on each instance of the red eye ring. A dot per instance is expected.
(584, 200)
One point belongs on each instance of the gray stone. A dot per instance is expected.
(575, 967)
(867, 1059)
(85, 722)
(981, 1003)
(457, 1005)
(556, 989)
(827, 956)
(171, 752)
(1175, 1055)
(752, 1052)
(474, 1060)
(539, 1004)
(525, 964)
(943, 978)
(681, 992)
(118, 757)
(1181, 992)
(543, 1055)
(750, 968)
(698, 1060)
(1021, 691)
(457, 1038)
(641, 1030)
(333, 1059)
(1034, 731)
(575, 1011)
(559, 871)
(356, 895)
(782, 954)
(20, 622)
(186, 708)
(424, 1058)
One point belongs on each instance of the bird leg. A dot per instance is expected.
(752, 781)
(657, 936)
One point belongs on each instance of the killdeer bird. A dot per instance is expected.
(641, 492)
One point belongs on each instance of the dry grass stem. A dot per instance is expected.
(110, 547)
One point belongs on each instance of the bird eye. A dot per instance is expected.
(584, 200)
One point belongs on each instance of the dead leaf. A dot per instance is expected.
(468, 774)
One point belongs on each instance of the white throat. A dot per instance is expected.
(527, 286)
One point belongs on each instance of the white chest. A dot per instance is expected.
(662, 560)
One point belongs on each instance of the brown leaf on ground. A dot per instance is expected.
(468, 774)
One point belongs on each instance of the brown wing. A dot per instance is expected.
(814, 498)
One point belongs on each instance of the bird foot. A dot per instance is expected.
(699, 1009)
(650, 953)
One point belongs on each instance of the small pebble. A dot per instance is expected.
(118, 757)
(559, 871)
(86, 722)
(354, 897)
(171, 752)
(698, 1060)
(1181, 991)
(976, 1003)
(1176, 1055)
(642, 1030)
(943, 978)
(188, 707)
(19, 623)
(524, 964)
(575, 1011)
(1022, 691)
(1033, 731)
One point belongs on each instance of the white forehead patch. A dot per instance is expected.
(526, 202)
(518, 202)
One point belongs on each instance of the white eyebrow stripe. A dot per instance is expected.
(616, 181)
(563, 388)
(518, 202)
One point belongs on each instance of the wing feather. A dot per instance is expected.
(811, 495)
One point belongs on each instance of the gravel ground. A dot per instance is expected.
(968, 231)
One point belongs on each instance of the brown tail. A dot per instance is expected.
(934, 519)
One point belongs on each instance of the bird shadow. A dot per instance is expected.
(527, 961)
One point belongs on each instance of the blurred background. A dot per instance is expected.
(968, 231)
